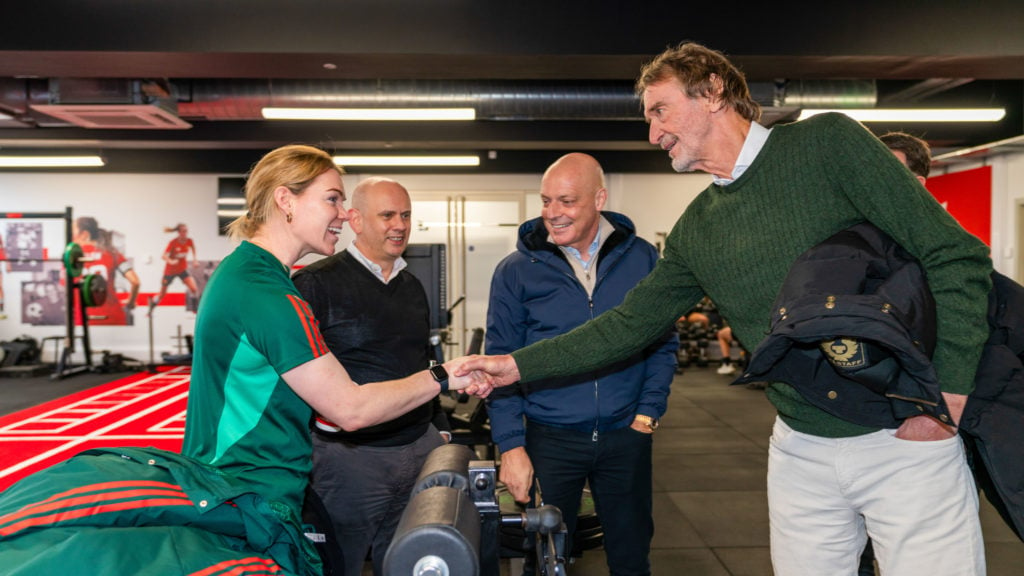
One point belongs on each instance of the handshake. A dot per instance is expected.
(478, 375)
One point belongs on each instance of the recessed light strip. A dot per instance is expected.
(378, 114)
(50, 161)
(468, 160)
(916, 114)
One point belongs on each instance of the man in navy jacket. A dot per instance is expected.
(573, 263)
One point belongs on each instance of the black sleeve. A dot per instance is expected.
(440, 419)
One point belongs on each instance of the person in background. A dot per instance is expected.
(176, 258)
(375, 319)
(911, 151)
(572, 263)
(775, 194)
(231, 500)
(724, 337)
(706, 314)
(101, 257)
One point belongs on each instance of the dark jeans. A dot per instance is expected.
(618, 467)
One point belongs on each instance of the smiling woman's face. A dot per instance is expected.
(319, 214)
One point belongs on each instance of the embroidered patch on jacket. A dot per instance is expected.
(843, 352)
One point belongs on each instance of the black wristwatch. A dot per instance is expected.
(441, 376)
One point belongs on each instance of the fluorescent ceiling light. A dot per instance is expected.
(6, 116)
(980, 148)
(50, 161)
(916, 115)
(385, 114)
(469, 160)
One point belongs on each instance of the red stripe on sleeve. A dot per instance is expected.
(92, 500)
(252, 565)
(107, 491)
(309, 323)
(316, 327)
(50, 519)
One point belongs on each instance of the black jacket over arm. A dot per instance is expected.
(853, 330)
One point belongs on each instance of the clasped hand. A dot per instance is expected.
(473, 382)
(478, 375)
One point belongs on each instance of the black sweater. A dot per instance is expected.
(377, 331)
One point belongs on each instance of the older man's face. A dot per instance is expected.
(679, 124)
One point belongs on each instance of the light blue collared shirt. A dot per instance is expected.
(756, 138)
(591, 250)
(373, 266)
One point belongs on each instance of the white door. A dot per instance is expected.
(478, 230)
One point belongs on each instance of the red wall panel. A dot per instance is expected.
(967, 196)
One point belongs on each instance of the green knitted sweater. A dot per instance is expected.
(736, 244)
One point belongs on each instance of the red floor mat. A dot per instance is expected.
(141, 410)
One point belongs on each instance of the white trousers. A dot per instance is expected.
(916, 500)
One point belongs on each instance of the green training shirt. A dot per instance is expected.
(251, 327)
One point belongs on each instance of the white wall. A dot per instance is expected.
(1007, 225)
(140, 206)
(137, 206)
(653, 201)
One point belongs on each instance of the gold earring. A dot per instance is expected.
(288, 217)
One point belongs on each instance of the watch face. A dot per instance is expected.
(439, 373)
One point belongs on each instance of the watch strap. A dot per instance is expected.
(440, 375)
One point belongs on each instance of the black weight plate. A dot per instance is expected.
(94, 290)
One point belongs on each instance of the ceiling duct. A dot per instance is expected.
(826, 94)
(244, 100)
(111, 104)
(538, 101)
(123, 104)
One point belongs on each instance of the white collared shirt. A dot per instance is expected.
(756, 138)
(373, 266)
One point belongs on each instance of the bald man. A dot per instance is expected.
(375, 318)
(573, 263)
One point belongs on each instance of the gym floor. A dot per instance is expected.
(710, 457)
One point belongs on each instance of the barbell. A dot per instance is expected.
(73, 259)
(94, 286)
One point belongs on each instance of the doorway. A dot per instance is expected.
(478, 230)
